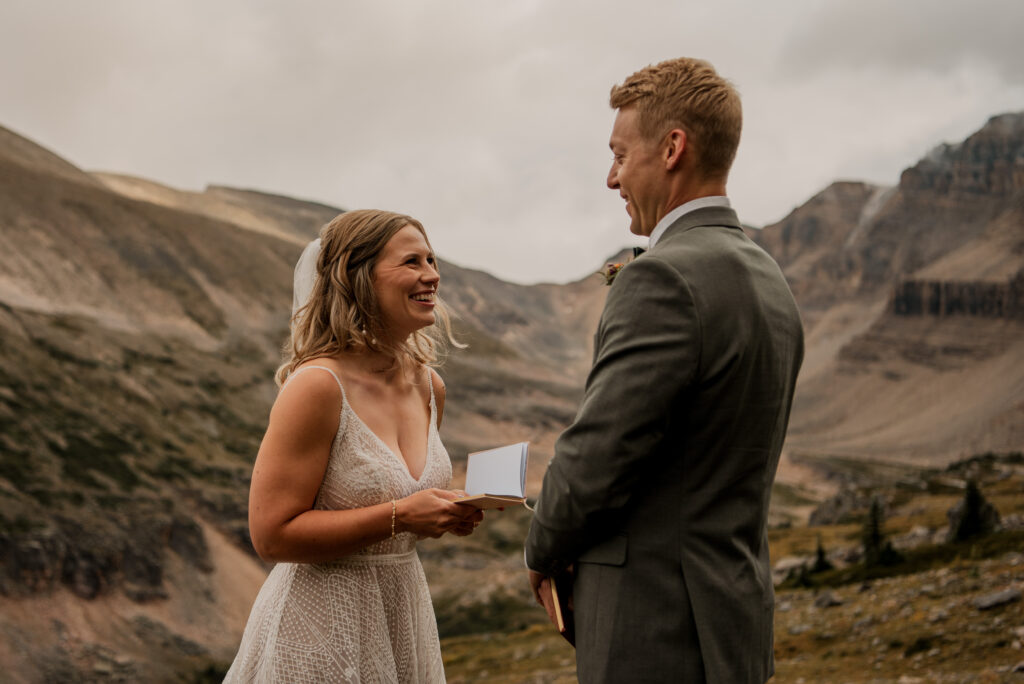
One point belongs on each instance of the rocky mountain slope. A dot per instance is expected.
(140, 327)
(912, 304)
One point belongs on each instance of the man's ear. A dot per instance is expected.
(674, 148)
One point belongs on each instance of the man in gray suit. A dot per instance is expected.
(657, 495)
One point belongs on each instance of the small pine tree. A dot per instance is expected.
(821, 561)
(877, 550)
(971, 523)
(889, 555)
(802, 579)
(872, 534)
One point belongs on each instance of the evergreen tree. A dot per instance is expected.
(877, 551)
(972, 516)
(821, 561)
(971, 522)
(872, 535)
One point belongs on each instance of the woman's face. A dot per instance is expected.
(405, 280)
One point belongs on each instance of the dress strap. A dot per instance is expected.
(333, 375)
(433, 402)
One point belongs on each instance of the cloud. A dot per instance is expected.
(912, 35)
(488, 121)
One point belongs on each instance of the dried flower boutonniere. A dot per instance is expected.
(609, 272)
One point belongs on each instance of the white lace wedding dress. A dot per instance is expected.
(364, 618)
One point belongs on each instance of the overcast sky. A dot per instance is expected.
(489, 120)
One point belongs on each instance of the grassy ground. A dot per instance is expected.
(922, 626)
(535, 654)
(912, 622)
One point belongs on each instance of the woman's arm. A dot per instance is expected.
(287, 475)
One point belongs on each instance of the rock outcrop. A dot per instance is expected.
(978, 298)
(988, 165)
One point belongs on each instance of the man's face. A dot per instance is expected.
(637, 172)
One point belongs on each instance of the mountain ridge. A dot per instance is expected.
(141, 326)
(880, 372)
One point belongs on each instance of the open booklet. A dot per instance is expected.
(496, 477)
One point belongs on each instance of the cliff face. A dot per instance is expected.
(859, 241)
(814, 244)
(951, 198)
(972, 298)
(913, 311)
(987, 166)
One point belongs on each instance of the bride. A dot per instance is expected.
(351, 470)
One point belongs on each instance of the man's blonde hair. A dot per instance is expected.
(689, 94)
(343, 314)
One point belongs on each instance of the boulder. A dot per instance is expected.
(999, 598)
(827, 599)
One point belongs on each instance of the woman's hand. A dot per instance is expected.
(431, 513)
(466, 528)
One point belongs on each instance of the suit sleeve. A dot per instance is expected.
(648, 348)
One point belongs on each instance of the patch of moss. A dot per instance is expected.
(17, 469)
(501, 613)
(213, 673)
(918, 560)
(20, 524)
(101, 453)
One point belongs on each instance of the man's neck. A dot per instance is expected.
(693, 191)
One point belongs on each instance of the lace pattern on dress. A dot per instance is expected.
(363, 618)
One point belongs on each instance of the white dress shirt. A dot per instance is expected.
(670, 218)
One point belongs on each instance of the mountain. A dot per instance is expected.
(913, 305)
(293, 220)
(137, 341)
(140, 326)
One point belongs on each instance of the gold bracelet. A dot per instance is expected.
(394, 511)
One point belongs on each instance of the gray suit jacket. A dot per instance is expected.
(658, 492)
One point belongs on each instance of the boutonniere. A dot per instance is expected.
(611, 270)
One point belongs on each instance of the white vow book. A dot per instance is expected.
(496, 477)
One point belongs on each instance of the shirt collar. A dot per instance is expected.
(672, 216)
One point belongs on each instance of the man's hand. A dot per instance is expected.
(541, 585)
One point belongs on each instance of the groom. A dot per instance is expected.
(657, 495)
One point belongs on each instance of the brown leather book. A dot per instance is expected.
(561, 593)
(489, 501)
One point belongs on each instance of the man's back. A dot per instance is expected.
(724, 435)
(671, 459)
(658, 492)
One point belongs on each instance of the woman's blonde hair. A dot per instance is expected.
(343, 314)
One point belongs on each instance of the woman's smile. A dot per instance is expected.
(406, 281)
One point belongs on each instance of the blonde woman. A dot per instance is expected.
(351, 470)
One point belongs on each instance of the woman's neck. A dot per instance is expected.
(375, 363)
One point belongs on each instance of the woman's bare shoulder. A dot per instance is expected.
(310, 383)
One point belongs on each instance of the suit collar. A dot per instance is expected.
(685, 208)
(708, 216)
